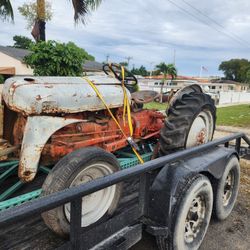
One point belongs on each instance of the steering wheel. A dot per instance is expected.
(116, 69)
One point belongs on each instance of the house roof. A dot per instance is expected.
(92, 66)
(18, 54)
(225, 81)
(160, 77)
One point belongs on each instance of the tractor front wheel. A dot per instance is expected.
(76, 168)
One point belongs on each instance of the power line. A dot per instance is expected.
(208, 24)
(214, 21)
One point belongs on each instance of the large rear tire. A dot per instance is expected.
(190, 122)
(79, 167)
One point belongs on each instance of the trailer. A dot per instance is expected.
(100, 169)
(150, 208)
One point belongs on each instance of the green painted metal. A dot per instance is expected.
(20, 199)
(5, 164)
(8, 172)
(129, 161)
(7, 193)
(127, 154)
(45, 170)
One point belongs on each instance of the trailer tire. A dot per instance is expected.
(194, 111)
(226, 190)
(76, 168)
(192, 211)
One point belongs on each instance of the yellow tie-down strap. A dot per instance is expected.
(126, 108)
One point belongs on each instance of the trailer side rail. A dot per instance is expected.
(78, 235)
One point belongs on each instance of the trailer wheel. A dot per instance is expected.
(190, 122)
(227, 189)
(191, 215)
(78, 167)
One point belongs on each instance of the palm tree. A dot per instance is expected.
(6, 10)
(166, 69)
(81, 9)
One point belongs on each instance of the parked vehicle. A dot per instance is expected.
(88, 128)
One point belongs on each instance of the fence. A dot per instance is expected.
(233, 97)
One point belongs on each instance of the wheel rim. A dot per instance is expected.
(228, 188)
(201, 130)
(95, 205)
(195, 218)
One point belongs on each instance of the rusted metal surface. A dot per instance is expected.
(103, 132)
(145, 96)
(38, 130)
(147, 122)
(167, 97)
(201, 137)
(53, 116)
(55, 95)
(9, 120)
(6, 149)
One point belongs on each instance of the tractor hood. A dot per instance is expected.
(52, 95)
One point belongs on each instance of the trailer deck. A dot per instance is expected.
(32, 233)
(18, 189)
(36, 235)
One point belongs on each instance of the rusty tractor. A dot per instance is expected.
(80, 126)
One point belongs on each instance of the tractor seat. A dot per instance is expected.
(144, 96)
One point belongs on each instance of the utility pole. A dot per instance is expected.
(128, 59)
(107, 58)
(174, 57)
(201, 69)
(151, 71)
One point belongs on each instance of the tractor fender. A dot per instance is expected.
(38, 130)
(163, 192)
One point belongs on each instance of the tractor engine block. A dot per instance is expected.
(101, 130)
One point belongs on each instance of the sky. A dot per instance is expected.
(151, 32)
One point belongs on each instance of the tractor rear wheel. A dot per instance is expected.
(76, 168)
(190, 122)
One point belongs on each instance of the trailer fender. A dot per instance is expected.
(163, 192)
(38, 130)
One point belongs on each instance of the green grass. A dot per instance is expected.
(238, 116)
(156, 105)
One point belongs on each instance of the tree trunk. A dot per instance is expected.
(41, 19)
(161, 92)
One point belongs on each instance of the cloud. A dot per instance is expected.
(150, 31)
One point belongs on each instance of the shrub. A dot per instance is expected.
(57, 59)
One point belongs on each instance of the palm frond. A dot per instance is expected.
(93, 5)
(6, 10)
(83, 7)
(167, 69)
